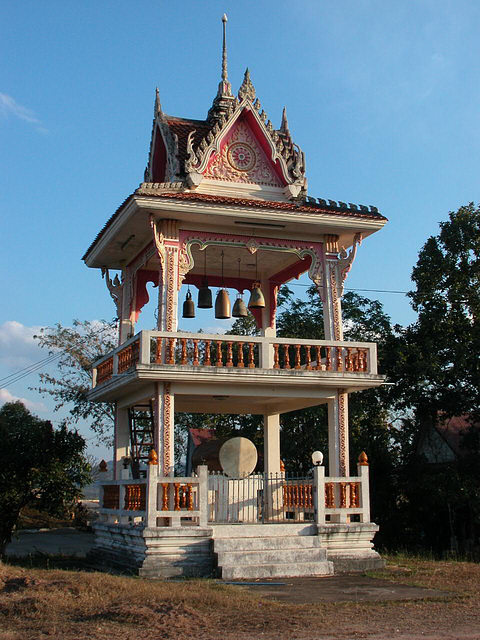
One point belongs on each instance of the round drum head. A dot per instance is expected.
(238, 457)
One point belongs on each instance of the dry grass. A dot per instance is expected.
(68, 605)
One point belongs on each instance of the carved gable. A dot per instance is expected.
(241, 159)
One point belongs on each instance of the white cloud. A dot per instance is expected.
(6, 396)
(18, 347)
(9, 106)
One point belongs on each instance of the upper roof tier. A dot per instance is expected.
(230, 170)
(234, 151)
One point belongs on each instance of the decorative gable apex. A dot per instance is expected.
(235, 145)
(286, 159)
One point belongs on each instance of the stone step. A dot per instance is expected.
(270, 556)
(271, 542)
(288, 570)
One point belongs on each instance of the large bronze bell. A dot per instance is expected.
(204, 296)
(239, 309)
(188, 306)
(257, 299)
(222, 305)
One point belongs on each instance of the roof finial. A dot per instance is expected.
(224, 98)
(224, 51)
(284, 126)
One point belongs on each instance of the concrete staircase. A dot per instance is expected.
(270, 557)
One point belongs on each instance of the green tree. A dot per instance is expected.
(39, 466)
(77, 348)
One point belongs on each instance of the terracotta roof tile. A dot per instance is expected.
(182, 128)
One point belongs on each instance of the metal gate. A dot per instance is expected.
(261, 498)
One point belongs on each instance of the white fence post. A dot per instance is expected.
(319, 493)
(151, 502)
(363, 474)
(202, 471)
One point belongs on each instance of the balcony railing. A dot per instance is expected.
(236, 352)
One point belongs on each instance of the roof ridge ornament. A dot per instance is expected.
(247, 90)
(284, 126)
(224, 94)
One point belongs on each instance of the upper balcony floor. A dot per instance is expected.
(252, 372)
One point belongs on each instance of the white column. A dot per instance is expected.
(363, 474)
(267, 331)
(319, 483)
(338, 454)
(164, 427)
(121, 441)
(271, 443)
(202, 471)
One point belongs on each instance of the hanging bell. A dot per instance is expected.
(239, 309)
(188, 306)
(204, 296)
(257, 299)
(222, 305)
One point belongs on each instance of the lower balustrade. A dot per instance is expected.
(202, 499)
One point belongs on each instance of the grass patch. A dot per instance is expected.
(37, 602)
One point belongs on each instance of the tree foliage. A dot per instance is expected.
(39, 466)
(77, 347)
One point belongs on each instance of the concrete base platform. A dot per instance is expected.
(161, 552)
(236, 551)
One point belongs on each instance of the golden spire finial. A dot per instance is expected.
(224, 51)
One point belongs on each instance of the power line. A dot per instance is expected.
(26, 371)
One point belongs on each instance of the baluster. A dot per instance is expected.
(219, 362)
(240, 363)
(354, 494)
(318, 357)
(165, 496)
(158, 351)
(229, 353)
(195, 352)
(184, 351)
(339, 358)
(328, 358)
(183, 496)
(297, 356)
(251, 356)
(171, 351)
(206, 360)
(189, 497)
(176, 497)
(349, 361)
(343, 495)
(329, 496)
(276, 364)
(365, 361)
(308, 358)
(356, 361)
(286, 356)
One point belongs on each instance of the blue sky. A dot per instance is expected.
(382, 96)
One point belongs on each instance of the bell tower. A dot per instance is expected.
(224, 204)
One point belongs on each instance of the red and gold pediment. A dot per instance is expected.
(241, 159)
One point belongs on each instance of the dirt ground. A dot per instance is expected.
(68, 605)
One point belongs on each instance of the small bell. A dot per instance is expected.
(257, 299)
(188, 306)
(204, 296)
(222, 305)
(239, 308)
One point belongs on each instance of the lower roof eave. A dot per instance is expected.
(118, 386)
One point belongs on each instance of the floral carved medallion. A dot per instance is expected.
(241, 156)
